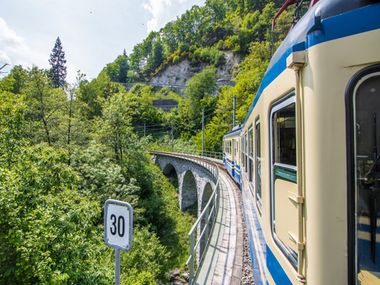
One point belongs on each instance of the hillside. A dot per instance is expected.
(206, 55)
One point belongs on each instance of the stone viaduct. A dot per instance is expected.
(195, 183)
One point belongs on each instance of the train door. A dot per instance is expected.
(283, 192)
(364, 186)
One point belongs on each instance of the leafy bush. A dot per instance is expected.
(209, 55)
(49, 231)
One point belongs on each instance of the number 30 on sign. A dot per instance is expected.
(118, 224)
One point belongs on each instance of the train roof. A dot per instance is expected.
(234, 132)
(327, 20)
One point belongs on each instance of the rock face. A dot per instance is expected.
(175, 76)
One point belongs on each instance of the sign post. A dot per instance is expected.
(118, 229)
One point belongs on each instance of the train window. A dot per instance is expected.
(366, 126)
(246, 152)
(250, 154)
(241, 151)
(232, 149)
(284, 213)
(245, 142)
(258, 164)
(284, 133)
(236, 149)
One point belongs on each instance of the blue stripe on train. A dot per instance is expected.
(278, 274)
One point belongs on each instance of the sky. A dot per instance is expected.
(93, 32)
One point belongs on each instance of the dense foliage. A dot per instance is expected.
(60, 160)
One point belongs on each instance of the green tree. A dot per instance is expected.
(15, 81)
(92, 94)
(118, 70)
(157, 56)
(100, 176)
(116, 128)
(46, 108)
(12, 124)
(200, 92)
(58, 65)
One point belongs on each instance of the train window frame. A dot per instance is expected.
(236, 141)
(241, 152)
(258, 158)
(278, 105)
(350, 98)
(250, 154)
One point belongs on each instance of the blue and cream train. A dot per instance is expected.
(307, 157)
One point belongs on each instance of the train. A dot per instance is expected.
(307, 157)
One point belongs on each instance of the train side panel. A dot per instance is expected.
(325, 85)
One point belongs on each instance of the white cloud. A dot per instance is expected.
(14, 50)
(7, 35)
(163, 11)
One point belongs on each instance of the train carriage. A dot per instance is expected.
(309, 155)
(231, 157)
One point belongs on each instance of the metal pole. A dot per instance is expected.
(203, 130)
(117, 266)
(191, 265)
(172, 134)
(234, 112)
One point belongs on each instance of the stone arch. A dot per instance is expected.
(189, 195)
(206, 194)
(171, 173)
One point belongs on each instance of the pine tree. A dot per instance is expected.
(58, 65)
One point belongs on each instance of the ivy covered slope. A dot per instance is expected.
(60, 160)
(203, 36)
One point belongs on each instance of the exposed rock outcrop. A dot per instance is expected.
(176, 75)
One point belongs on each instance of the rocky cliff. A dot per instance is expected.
(175, 76)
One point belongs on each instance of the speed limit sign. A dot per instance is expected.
(118, 224)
